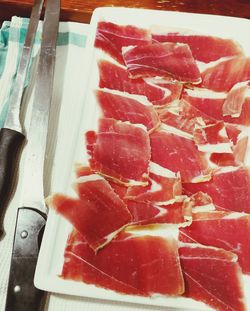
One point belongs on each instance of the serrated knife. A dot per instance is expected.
(31, 217)
(11, 135)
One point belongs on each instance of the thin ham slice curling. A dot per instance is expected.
(204, 48)
(227, 230)
(213, 276)
(179, 154)
(120, 150)
(126, 107)
(130, 264)
(96, 203)
(162, 59)
(229, 189)
(111, 38)
(159, 91)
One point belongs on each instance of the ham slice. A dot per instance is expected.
(236, 97)
(239, 141)
(204, 48)
(224, 144)
(163, 187)
(162, 59)
(96, 201)
(201, 202)
(225, 75)
(111, 38)
(212, 138)
(126, 107)
(211, 103)
(179, 154)
(183, 116)
(158, 91)
(230, 190)
(213, 276)
(120, 151)
(227, 230)
(148, 213)
(178, 213)
(130, 264)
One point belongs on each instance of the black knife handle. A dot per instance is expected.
(22, 294)
(11, 143)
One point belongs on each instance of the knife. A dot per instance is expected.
(11, 135)
(31, 217)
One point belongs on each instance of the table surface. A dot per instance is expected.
(81, 10)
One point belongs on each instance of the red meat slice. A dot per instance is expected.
(177, 213)
(195, 124)
(111, 38)
(235, 99)
(239, 141)
(201, 202)
(120, 151)
(211, 103)
(129, 264)
(212, 138)
(225, 75)
(163, 187)
(183, 116)
(230, 231)
(213, 276)
(125, 107)
(158, 91)
(179, 154)
(229, 190)
(204, 48)
(162, 59)
(96, 202)
(147, 213)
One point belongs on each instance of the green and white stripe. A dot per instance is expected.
(12, 36)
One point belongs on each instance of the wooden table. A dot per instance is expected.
(81, 10)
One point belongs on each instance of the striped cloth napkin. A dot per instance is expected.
(67, 101)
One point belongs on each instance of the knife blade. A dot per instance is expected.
(31, 217)
(11, 135)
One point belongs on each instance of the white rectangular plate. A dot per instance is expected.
(74, 125)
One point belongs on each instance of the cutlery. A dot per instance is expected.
(11, 135)
(31, 217)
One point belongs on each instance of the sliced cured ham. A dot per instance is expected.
(236, 97)
(183, 116)
(201, 202)
(120, 151)
(162, 59)
(213, 276)
(119, 189)
(158, 91)
(163, 187)
(179, 154)
(239, 140)
(126, 107)
(227, 230)
(111, 38)
(144, 213)
(172, 90)
(148, 213)
(204, 48)
(230, 190)
(225, 75)
(212, 138)
(224, 143)
(96, 201)
(211, 103)
(130, 264)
